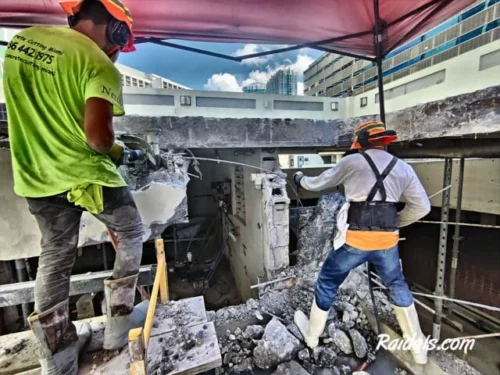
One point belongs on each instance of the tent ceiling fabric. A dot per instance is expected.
(262, 21)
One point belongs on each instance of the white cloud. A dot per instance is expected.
(223, 82)
(302, 63)
(228, 82)
(250, 49)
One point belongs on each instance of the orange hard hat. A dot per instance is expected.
(375, 130)
(115, 7)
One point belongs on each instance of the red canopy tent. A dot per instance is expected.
(367, 29)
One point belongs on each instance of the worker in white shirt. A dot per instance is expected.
(374, 182)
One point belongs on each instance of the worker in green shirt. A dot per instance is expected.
(62, 91)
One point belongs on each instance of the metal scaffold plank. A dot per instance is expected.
(18, 293)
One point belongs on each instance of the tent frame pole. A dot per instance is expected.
(378, 35)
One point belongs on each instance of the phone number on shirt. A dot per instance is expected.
(31, 52)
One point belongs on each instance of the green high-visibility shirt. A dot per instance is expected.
(49, 73)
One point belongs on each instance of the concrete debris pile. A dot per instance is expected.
(274, 343)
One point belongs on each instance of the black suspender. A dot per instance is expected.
(379, 184)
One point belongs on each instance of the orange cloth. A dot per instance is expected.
(369, 240)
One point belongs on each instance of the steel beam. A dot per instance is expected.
(456, 235)
(19, 293)
(441, 261)
(379, 52)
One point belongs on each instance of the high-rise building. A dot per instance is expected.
(468, 39)
(283, 82)
(255, 88)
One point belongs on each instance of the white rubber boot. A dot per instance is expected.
(60, 341)
(122, 316)
(408, 321)
(313, 328)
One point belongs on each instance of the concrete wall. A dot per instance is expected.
(216, 104)
(462, 75)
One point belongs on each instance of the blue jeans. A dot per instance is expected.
(340, 262)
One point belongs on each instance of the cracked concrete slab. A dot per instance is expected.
(462, 115)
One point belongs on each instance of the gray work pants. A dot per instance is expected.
(59, 223)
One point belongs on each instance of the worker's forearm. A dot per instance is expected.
(314, 183)
(326, 180)
(102, 146)
(409, 214)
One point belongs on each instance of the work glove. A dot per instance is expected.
(122, 155)
(297, 177)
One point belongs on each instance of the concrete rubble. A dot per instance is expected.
(277, 344)
(314, 227)
(260, 336)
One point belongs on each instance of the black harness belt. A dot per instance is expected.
(372, 215)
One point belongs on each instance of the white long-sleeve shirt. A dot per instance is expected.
(358, 179)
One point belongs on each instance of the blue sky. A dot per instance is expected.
(211, 73)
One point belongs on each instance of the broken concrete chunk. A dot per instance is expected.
(344, 306)
(324, 356)
(245, 366)
(346, 317)
(290, 368)
(292, 327)
(359, 343)
(253, 304)
(345, 370)
(253, 332)
(277, 345)
(303, 355)
(340, 339)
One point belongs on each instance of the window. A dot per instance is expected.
(185, 100)
(364, 101)
(489, 60)
(165, 85)
(148, 84)
(128, 81)
(334, 106)
(134, 82)
(3, 112)
(141, 83)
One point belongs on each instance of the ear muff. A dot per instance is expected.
(118, 33)
(72, 20)
(363, 139)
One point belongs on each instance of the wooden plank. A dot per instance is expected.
(175, 314)
(148, 324)
(160, 258)
(18, 293)
(198, 359)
